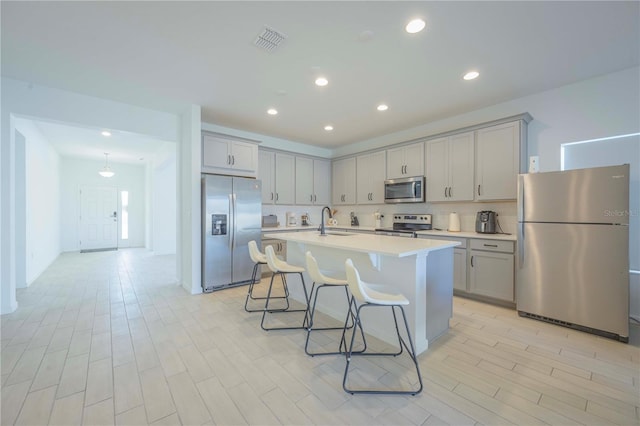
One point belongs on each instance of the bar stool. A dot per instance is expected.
(258, 259)
(370, 295)
(282, 268)
(324, 281)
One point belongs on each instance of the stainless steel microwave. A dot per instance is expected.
(404, 190)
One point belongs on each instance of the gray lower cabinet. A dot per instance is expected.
(460, 269)
(483, 269)
(279, 247)
(491, 271)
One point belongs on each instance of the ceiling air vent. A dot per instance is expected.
(269, 39)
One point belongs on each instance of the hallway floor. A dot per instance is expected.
(108, 338)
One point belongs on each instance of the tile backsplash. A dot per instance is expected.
(440, 211)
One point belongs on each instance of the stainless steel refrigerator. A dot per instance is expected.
(231, 217)
(573, 249)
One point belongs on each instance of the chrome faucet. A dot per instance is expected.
(322, 219)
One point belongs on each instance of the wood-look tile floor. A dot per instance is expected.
(108, 338)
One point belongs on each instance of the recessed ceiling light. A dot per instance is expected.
(328, 127)
(471, 75)
(321, 81)
(382, 107)
(105, 133)
(415, 26)
(272, 111)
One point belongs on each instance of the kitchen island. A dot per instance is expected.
(420, 269)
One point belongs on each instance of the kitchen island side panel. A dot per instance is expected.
(426, 279)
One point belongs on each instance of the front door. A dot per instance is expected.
(98, 218)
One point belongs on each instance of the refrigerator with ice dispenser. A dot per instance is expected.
(573, 249)
(231, 217)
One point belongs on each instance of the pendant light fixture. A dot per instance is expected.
(106, 170)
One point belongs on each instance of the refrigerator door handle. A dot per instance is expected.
(520, 205)
(520, 245)
(232, 220)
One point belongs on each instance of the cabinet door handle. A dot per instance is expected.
(449, 192)
(472, 261)
(233, 160)
(277, 196)
(310, 197)
(315, 198)
(228, 159)
(478, 189)
(445, 192)
(272, 196)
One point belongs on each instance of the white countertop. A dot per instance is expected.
(463, 234)
(368, 243)
(289, 228)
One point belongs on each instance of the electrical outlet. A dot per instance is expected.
(534, 166)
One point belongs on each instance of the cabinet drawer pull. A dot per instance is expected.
(490, 245)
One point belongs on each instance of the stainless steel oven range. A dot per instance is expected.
(406, 225)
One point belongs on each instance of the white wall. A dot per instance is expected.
(42, 192)
(163, 201)
(76, 173)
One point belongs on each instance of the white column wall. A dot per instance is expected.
(189, 241)
(42, 190)
(163, 202)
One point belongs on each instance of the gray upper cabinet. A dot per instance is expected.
(226, 155)
(313, 180)
(370, 178)
(277, 172)
(450, 164)
(405, 161)
(498, 161)
(344, 181)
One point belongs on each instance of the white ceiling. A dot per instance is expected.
(167, 54)
(85, 142)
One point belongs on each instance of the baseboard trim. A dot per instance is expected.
(100, 249)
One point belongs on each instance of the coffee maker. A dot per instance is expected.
(292, 219)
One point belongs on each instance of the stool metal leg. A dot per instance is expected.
(346, 326)
(250, 290)
(266, 310)
(410, 349)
